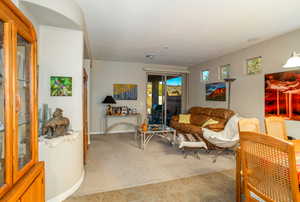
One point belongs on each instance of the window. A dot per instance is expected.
(254, 65)
(224, 71)
(205, 75)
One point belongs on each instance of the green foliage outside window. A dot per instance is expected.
(205, 75)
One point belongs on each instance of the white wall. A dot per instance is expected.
(106, 73)
(248, 91)
(61, 54)
(63, 165)
(28, 15)
(67, 8)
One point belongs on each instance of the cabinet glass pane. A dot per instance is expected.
(24, 119)
(2, 126)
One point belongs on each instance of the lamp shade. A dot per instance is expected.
(293, 61)
(109, 100)
(229, 79)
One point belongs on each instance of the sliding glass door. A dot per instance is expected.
(155, 99)
(164, 97)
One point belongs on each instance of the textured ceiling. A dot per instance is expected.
(183, 32)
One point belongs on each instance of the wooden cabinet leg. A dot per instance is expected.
(238, 180)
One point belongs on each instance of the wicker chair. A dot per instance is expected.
(275, 126)
(269, 168)
(252, 125)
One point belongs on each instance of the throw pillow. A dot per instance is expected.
(184, 118)
(209, 121)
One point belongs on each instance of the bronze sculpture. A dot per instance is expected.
(57, 125)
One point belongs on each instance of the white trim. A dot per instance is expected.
(166, 70)
(61, 197)
(112, 132)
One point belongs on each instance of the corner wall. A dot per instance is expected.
(248, 90)
(61, 54)
(106, 73)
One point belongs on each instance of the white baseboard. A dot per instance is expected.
(61, 197)
(112, 132)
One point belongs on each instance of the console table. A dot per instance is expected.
(107, 117)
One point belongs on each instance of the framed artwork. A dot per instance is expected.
(216, 91)
(254, 65)
(60, 86)
(125, 91)
(282, 94)
(224, 71)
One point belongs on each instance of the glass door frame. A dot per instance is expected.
(28, 36)
(8, 133)
(16, 22)
(184, 94)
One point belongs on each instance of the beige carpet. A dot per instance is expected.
(213, 187)
(116, 162)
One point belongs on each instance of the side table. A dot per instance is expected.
(162, 131)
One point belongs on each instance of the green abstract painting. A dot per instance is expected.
(254, 65)
(61, 86)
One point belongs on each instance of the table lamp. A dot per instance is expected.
(109, 100)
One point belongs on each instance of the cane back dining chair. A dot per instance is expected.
(275, 126)
(245, 124)
(269, 168)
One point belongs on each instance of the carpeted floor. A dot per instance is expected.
(116, 162)
(213, 187)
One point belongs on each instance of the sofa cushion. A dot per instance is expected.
(200, 111)
(222, 113)
(217, 126)
(198, 119)
(194, 129)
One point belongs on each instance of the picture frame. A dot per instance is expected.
(215, 91)
(254, 65)
(60, 86)
(282, 95)
(125, 91)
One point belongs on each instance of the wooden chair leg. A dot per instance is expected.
(238, 180)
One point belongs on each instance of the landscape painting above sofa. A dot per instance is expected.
(282, 94)
(216, 91)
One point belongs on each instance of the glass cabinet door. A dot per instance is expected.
(24, 102)
(2, 107)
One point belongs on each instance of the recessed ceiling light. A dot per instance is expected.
(150, 56)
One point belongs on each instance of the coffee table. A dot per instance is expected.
(155, 130)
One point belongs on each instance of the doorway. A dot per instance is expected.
(165, 97)
(85, 115)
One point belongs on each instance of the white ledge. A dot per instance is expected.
(52, 143)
